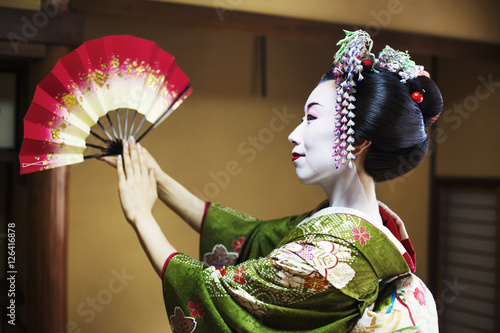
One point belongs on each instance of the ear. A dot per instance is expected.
(360, 145)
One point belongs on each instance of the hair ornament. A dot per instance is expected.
(354, 52)
(424, 73)
(417, 97)
(433, 120)
(399, 62)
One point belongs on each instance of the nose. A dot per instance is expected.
(295, 137)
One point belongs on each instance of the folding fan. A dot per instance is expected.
(105, 91)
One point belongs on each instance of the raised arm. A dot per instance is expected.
(185, 204)
(137, 189)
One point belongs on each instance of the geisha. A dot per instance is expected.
(346, 266)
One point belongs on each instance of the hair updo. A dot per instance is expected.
(395, 124)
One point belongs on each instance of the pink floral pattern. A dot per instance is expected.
(290, 280)
(238, 244)
(197, 308)
(360, 234)
(239, 276)
(419, 296)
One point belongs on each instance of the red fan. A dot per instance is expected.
(96, 96)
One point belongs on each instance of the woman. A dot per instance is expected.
(345, 266)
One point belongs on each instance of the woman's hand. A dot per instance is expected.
(150, 160)
(137, 189)
(189, 207)
(136, 182)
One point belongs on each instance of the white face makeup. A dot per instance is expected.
(313, 139)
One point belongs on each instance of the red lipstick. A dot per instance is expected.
(296, 156)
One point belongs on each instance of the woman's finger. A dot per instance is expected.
(152, 177)
(127, 164)
(119, 169)
(134, 156)
(143, 159)
(111, 160)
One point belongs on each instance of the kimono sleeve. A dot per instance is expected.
(318, 286)
(229, 237)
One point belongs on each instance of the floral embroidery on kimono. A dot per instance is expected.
(327, 258)
(180, 323)
(360, 234)
(220, 257)
(197, 308)
(238, 244)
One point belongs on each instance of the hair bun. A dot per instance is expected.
(432, 103)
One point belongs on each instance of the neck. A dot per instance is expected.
(355, 190)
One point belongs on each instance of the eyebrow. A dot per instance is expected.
(311, 105)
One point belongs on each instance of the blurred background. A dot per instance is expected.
(252, 64)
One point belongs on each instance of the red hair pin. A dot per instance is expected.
(417, 97)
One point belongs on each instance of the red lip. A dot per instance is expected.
(295, 156)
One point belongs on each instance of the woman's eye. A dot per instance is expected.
(311, 117)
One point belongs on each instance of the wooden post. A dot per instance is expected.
(48, 201)
(47, 279)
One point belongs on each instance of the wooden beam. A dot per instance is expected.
(48, 25)
(277, 26)
(28, 51)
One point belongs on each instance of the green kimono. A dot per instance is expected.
(297, 274)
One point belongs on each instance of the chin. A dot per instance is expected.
(306, 180)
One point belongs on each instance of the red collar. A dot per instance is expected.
(389, 222)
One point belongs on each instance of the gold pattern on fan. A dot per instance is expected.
(115, 62)
(154, 81)
(100, 78)
(70, 100)
(56, 134)
(140, 70)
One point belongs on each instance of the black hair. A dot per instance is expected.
(395, 124)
